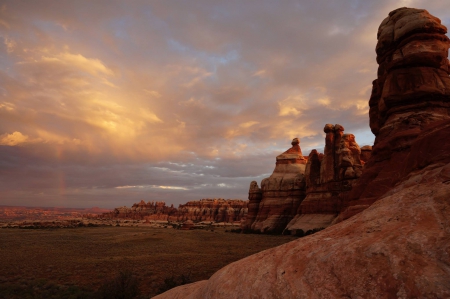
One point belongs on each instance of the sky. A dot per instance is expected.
(106, 103)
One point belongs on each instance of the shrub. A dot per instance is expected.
(172, 281)
(313, 231)
(123, 286)
(299, 233)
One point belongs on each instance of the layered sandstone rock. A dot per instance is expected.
(142, 210)
(412, 93)
(366, 152)
(307, 193)
(254, 199)
(329, 178)
(399, 247)
(215, 210)
(282, 192)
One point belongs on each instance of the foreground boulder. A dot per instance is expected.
(398, 246)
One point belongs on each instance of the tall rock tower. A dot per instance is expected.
(280, 194)
(410, 96)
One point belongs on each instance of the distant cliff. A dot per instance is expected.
(216, 210)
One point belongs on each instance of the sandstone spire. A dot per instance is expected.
(281, 193)
(410, 95)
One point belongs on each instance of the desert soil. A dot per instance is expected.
(85, 257)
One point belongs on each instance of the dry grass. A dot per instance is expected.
(85, 257)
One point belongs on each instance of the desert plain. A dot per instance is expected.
(75, 262)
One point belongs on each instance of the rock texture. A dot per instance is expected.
(215, 210)
(142, 210)
(306, 193)
(282, 192)
(254, 199)
(329, 178)
(411, 93)
(398, 247)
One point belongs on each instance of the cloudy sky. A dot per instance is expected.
(105, 103)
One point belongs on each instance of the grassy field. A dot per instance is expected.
(72, 260)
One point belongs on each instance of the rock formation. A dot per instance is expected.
(142, 210)
(398, 247)
(306, 193)
(329, 178)
(281, 193)
(410, 95)
(254, 199)
(215, 210)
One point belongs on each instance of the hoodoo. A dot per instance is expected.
(329, 178)
(398, 246)
(281, 193)
(307, 192)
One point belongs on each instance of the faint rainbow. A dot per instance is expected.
(61, 174)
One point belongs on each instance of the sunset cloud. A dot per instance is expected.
(103, 104)
(13, 139)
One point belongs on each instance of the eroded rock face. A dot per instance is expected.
(366, 152)
(142, 210)
(254, 199)
(329, 178)
(307, 193)
(215, 210)
(282, 192)
(411, 93)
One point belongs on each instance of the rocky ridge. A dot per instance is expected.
(397, 244)
(213, 210)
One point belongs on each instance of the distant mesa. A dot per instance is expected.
(15, 213)
(213, 210)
